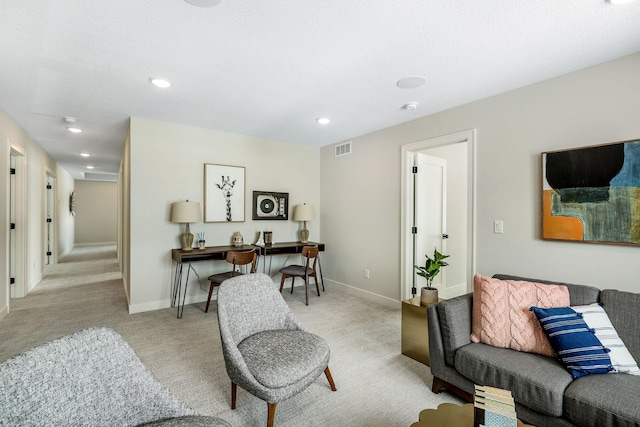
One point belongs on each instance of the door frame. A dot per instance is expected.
(20, 233)
(406, 205)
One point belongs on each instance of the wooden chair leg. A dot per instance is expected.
(327, 373)
(211, 286)
(271, 413)
(234, 389)
(282, 282)
(293, 279)
(316, 279)
(306, 289)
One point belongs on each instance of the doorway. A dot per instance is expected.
(445, 221)
(50, 255)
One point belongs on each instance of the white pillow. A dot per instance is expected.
(598, 320)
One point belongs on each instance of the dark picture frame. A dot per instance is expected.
(270, 205)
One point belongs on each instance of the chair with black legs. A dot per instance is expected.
(237, 259)
(310, 253)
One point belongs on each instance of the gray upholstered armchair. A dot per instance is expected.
(266, 350)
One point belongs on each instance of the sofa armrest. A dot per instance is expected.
(452, 324)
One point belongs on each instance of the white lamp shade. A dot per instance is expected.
(186, 212)
(304, 213)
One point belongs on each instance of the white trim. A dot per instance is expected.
(113, 243)
(406, 242)
(21, 219)
(366, 295)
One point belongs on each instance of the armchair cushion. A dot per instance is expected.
(279, 358)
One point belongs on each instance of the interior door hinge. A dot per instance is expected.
(12, 280)
(12, 171)
(414, 169)
(12, 226)
(414, 230)
(48, 219)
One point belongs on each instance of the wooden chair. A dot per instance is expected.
(306, 271)
(236, 259)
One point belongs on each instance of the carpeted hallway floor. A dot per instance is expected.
(377, 385)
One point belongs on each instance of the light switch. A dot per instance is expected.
(498, 226)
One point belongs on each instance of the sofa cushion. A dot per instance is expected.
(536, 381)
(501, 315)
(455, 322)
(579, 294)
(596, 318)
(603, 400)
(575, 344)
(622, 308)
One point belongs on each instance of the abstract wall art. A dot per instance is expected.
(592, 194)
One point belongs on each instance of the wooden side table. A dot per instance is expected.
(415, 332)
(450, 415)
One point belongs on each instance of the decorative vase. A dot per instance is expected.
(201, 244)
(237, 239)
(428, 296)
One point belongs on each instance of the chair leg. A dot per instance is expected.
(293, 280)
(211, 286)
(234, 389)
(282, 282)
(271, 413)
(316, 279)
(306, 289)
(330, 379)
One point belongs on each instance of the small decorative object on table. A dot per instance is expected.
(493, 407)
(268, 237)
(201, 240)
(429, 294)
(237, 239)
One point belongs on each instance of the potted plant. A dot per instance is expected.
(431, 269)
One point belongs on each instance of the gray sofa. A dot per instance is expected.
(544, 392)
(90, 378)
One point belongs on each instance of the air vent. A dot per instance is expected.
(343, 149)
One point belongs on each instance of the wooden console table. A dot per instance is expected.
(219, 253)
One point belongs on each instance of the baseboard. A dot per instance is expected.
(4, 311)
(361, 293)
(165, 303)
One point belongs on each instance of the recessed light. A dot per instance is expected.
(85, 154)
(74, 130)
(619, 1)
(69, 119)
(411, 82)
(410, 106)
(204, 3)
(161, 83)
(89, 167)
(323, 120)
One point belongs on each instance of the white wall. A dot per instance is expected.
(38, 163)
(360, 192)
(96, 216)
(167, 165)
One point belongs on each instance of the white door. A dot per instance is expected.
(430, 211)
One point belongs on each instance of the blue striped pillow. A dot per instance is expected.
(575, 344)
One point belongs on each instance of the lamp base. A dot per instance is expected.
(304, 235)
(186, 239)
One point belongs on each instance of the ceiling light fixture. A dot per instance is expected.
(410, 106)
(85, 154)
(74, 130)
(619, 1)
(204, 3)
(411, 82)
(323, 120)
(89, 167)
(159, 82)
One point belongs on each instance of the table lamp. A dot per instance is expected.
(304, 213)
(186, 212)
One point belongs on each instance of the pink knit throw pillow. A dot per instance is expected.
(501, 315)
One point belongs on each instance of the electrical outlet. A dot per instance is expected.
(366, 273)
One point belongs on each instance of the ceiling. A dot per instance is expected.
(271, 68)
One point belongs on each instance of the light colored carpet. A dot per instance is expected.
(377, 385)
